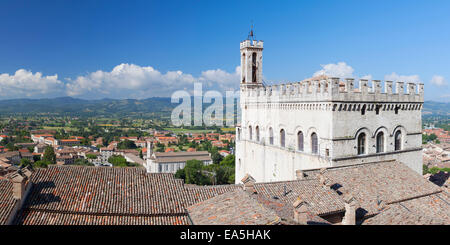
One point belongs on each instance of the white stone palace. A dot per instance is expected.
(322, 122)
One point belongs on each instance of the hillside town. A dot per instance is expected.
(147, 113)
(133, 149)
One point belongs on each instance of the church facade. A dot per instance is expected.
(322, 122)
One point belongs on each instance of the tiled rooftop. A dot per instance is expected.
(105, 194)
(7, 201)
(321, 201)
(388, 181)
(109, 196)
(232, 208)
(32, 217)
(428, 210)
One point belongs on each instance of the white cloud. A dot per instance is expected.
(367, 77)
(438, 80)
(222, 79)
(133, 81)
(402, 78)
(26, 84)
(341, 69)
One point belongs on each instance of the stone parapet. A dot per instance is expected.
(335, 90)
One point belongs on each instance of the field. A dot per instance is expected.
(183, 130)
(57, 128)
(228, 129)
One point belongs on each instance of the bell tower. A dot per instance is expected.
(251, 61)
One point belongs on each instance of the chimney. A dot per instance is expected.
(249, 184)
(350, 210)
(300, 211)
(18, 181)
(27, 171)
(324, 181)
(300, 174)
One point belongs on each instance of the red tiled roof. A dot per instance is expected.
(68, 195)
(69, 140)
(6, 200)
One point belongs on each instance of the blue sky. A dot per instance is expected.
(138, 49)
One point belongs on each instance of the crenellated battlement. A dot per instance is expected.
(333, 89)
(251, 44)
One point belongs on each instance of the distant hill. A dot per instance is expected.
(79, 107)
(436, 108)
(156, 106)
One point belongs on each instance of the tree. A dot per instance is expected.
(228, 161)
(126, 144)
(216, 157)
(42, 164)
(36, 158)
(118, 161)
(180, 174)
(83, 162)
(10, 146)
(30, 148)
(49, 155)
(25, 162)
(91, 156)
(85, 142)
(194, 173)
(223, 174)
(432, 137)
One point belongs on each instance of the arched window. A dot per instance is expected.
(398, 140)
(257, 133)
(244, 65)
(380, 142)
(300, 141)
(239, 134)
(282, 138)
(271, 136)
(254, 67)
(362, 144)
(314, 143)
(250, 133)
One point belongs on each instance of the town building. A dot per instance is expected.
(39, 138)
(106, 153)
(322, 122)
(140, 143)
(40, 148)
(167, 140)
(12, 156)
(170, 162)
(66, 156)
(50, 141)
(69, 142)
